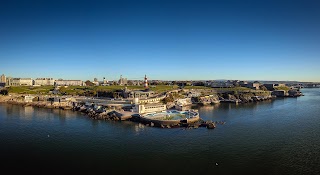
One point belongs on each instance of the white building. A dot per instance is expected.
(122, 81)
(148, 108)
(68, 83)
(44, 81)
(21, 82)
(28, 98)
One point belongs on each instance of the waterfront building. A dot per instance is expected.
(21, 82)
(272, 87)
(68, 83)
(44, 81)
(3, 79)
(61, 101)
(180, 103)
(28, 98)
(148, 100)
(149, 108)
(279, 93)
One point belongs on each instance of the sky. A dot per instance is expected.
(166, 40)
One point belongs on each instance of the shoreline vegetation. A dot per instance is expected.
(207, 96)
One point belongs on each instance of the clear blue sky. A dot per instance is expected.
(168, 40)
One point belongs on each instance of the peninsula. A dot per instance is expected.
(154, 103)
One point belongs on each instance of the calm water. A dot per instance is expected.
(272, 137)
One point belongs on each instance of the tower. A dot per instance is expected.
(104, 80)
(145, 82)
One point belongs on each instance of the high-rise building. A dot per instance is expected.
(123, 81)
(3, 79)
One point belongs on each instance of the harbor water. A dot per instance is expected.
(280, 136)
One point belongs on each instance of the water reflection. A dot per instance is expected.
(26, 112)
(139, 128)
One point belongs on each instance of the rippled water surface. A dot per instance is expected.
(281, 136)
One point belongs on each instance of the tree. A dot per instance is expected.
(89, 83)
(4, 92)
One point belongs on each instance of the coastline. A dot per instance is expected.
(96, 113)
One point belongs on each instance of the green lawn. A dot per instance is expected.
(76, 90)
(196, 87)
(286, 88)
(30, 89)
(158, 88)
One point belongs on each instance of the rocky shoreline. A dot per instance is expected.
(120, 114)
(114, 115)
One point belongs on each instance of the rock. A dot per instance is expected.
(211, 125)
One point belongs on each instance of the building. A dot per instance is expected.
(44, 81)
(104, 80)
(8, 81)
(180, 103)
(279, 93)
(96, 82)
(68, 83)
(148, 100)
(149, 108)
(193, 94)
(272, 87)
(28, 98)
(141, 94)
(243, 83)
(122, 81)
(21, 82)
(255, 86)
(61, 101)
(3, 79)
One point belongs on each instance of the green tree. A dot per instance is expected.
(88, 83)
(4, 92)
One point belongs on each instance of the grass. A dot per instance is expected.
(75, 90)
(234, 89)
(30, 89)
(163, 88)
(286, 88)
(197, 87)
